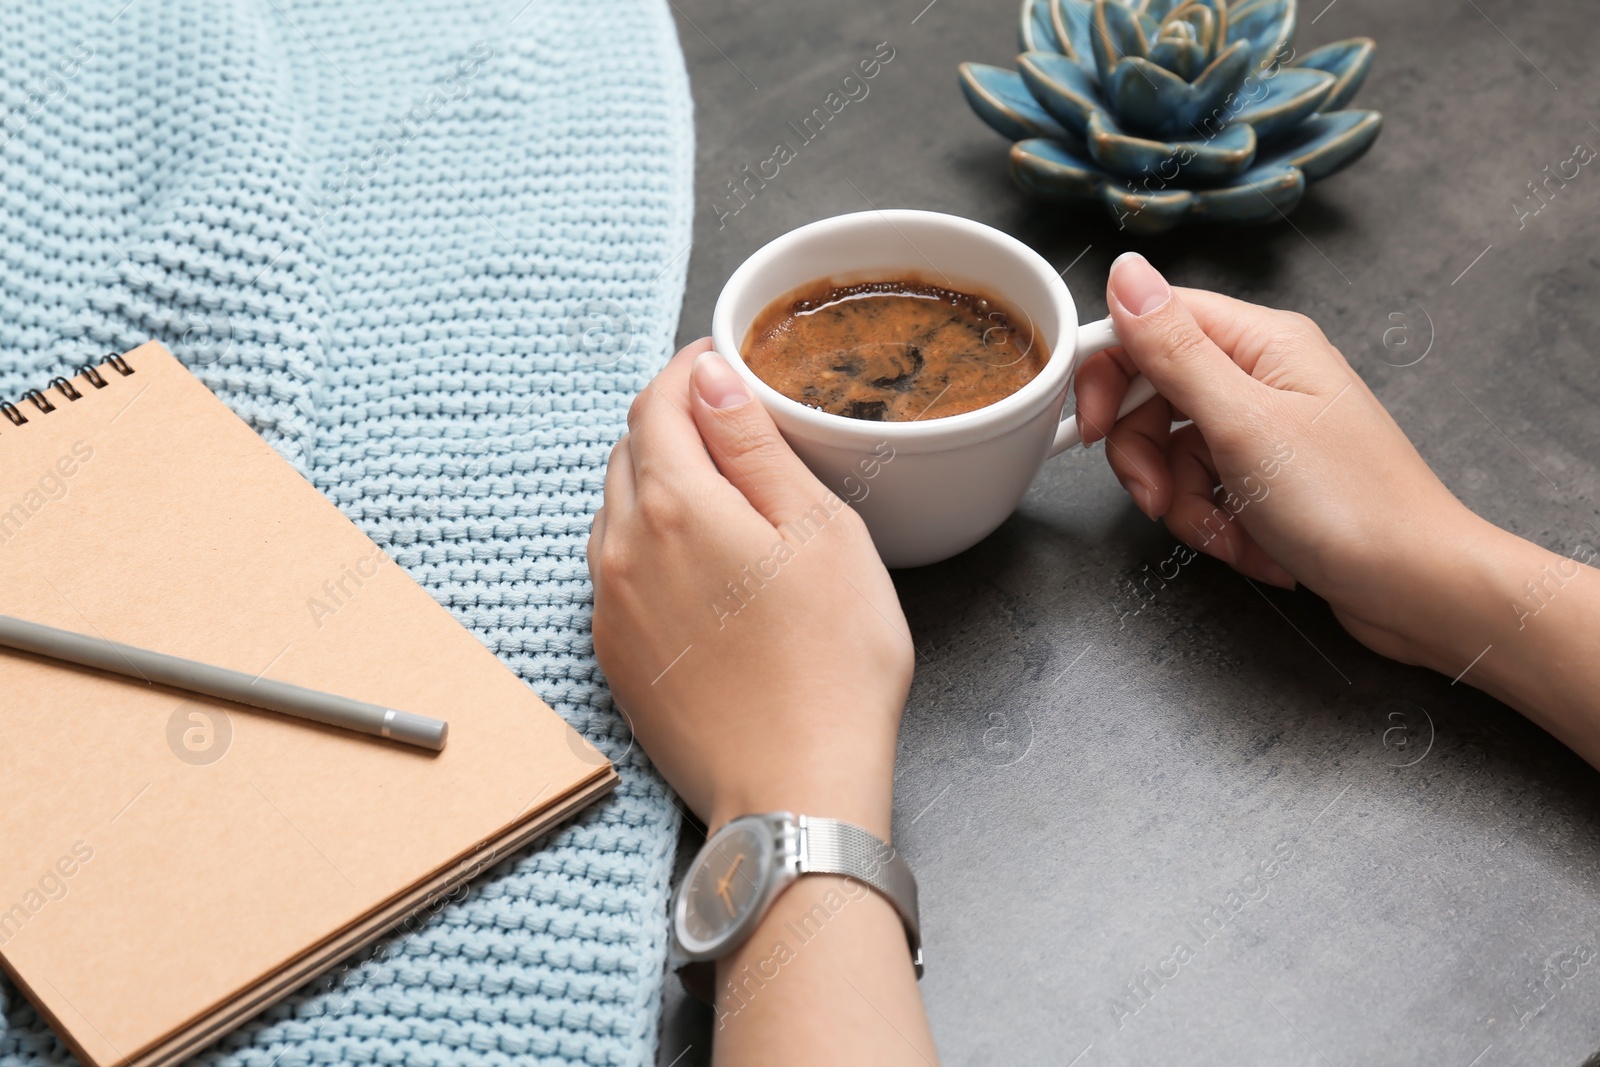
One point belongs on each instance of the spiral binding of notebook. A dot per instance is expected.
(40, 399)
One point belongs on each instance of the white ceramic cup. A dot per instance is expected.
(934, 487)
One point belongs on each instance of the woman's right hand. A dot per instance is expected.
(742, 617)
(1318, 483)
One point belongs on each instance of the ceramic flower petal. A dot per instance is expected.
(1259, 195)
(1061, 86)
(1038, 32)
(1153, 101)
(1285, 100)
(1001, 98)
(1182, 57)
(1170, 162)
(1142, 212)
(1264, 193)
(1225, 74)
(1203, 20)
(1160, 9)
(1267, 25)
(1348, 61)
(1149, 99)
(1219, 15)
(1148, 25)
(1115, 33)
(1071, 19)
(1327, 143)
(1054, 170)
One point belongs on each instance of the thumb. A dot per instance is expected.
(746, 446)
(1168, 346)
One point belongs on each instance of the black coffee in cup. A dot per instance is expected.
(892, 351)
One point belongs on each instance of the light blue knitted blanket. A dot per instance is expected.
(429, 249)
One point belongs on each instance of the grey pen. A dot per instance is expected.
(186, 674)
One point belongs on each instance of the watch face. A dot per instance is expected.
(725, 885)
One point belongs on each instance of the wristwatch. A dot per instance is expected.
(743, 867)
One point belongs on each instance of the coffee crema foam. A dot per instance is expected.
(892, 351)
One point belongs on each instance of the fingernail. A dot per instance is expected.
(718, 384)
(1255, 563)
(1137, 285)
(1143, 497)
(1087, 430)
(1272, 573)
(1232, 550)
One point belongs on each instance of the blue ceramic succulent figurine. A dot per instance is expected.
(1166, 110)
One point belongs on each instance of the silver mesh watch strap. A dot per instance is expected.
(828, 846)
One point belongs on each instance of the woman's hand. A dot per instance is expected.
(742, 617)
(1318, 483)
(751, 634)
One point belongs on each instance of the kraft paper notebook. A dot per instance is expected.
(171, 864)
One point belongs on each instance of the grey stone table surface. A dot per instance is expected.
(1088, 769)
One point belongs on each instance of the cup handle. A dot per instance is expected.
(1095, 337)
